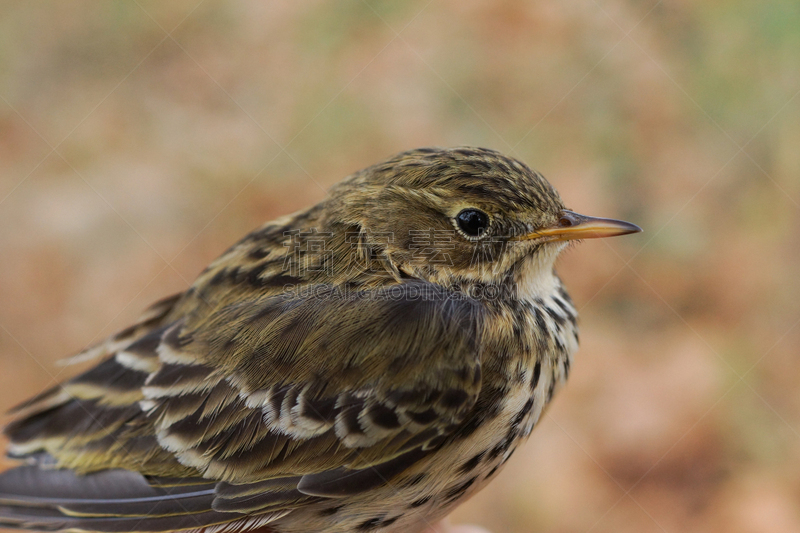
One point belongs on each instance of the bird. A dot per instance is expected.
(362, 365)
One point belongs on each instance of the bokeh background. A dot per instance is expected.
(138, 139)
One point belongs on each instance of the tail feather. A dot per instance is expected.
(108, 501)
(53, 520)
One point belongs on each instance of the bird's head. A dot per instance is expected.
(463, 214)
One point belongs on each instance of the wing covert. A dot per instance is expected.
(279, 399)
(303, 384)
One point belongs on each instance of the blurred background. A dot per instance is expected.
(139, 139)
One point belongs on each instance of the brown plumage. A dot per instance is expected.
(362, 365)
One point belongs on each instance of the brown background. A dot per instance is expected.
(138, 140)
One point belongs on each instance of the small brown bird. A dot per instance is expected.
(362, 365)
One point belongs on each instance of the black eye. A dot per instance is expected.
(472, 222)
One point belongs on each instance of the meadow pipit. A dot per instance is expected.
(361, 365)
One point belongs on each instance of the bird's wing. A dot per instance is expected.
(278, 400)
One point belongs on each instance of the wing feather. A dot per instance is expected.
(275, 402)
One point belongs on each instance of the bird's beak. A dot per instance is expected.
(575, 226)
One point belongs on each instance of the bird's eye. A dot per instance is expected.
(473, 222)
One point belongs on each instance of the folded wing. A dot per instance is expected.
(255, 408)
